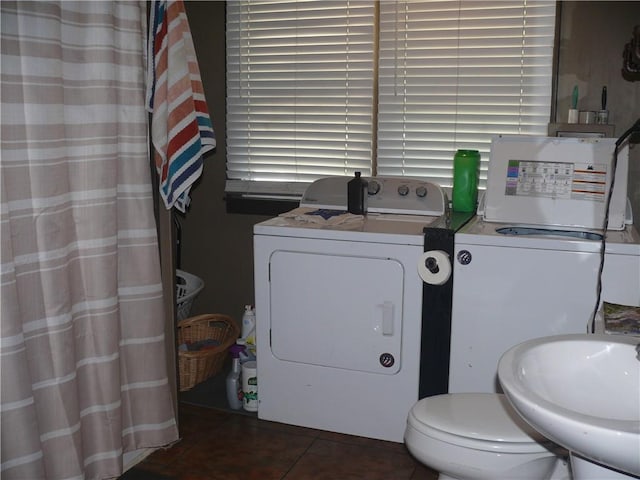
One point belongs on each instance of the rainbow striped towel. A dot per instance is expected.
(181, 130)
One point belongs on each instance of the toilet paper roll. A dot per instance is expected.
(434, 267)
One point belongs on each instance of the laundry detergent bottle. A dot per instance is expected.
(248, 322)
(234, 381)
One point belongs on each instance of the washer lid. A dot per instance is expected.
(556, 181)
(480, 416)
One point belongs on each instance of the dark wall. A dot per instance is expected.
(218, 246)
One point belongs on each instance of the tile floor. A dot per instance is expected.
(218, 444)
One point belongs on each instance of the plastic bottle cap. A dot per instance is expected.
(235, 350)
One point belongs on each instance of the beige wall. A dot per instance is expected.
(218, 246)
(591, 44)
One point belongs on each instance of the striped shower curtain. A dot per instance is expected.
(82, 350)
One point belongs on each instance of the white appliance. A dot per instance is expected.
(518, 280)
(339, 309)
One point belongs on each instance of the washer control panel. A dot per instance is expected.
(401, 195)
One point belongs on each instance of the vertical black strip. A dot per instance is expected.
(436, 321)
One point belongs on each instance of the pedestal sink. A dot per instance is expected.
(582, 392)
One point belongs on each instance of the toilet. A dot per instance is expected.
(478, 436)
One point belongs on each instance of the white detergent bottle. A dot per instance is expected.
(234, 382)
(248, 322)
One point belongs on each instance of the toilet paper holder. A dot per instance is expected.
(434, 267)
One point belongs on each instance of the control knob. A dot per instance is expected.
(403, 190)
(421, 191)
(373, 187)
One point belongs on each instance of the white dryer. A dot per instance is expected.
(339, 308)
(518, 280)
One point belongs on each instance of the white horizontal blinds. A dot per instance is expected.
(453, 74)
(299, 90)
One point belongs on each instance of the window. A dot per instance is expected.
(317, 88)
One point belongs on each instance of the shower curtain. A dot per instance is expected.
(82, 350)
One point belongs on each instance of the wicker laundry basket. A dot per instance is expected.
(188, 286)
(197, 366)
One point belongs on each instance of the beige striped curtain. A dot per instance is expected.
(82, 355)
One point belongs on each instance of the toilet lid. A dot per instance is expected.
(479, 416)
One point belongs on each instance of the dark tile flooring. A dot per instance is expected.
(219, 444)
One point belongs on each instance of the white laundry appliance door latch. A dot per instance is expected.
(386, 321)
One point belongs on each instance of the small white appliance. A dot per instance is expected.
(527, 266)
(339, 307)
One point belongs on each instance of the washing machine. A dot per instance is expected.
(349, 334)
(528, 265)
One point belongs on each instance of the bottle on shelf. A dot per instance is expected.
(234, 382)
(249, 329)
(248, 322)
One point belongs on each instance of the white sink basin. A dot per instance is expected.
(582, 392)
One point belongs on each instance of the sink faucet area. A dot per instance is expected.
(581, 391)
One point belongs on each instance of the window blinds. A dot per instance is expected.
(300, 84)
(455, 73)
(309, 91)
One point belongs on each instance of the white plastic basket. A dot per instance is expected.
(188, 286)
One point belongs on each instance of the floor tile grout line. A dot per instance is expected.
(300, 457)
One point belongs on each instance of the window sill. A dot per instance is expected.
(256, 205)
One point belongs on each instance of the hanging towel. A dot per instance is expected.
(181, 130)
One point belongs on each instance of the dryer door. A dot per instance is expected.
(337, 311)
